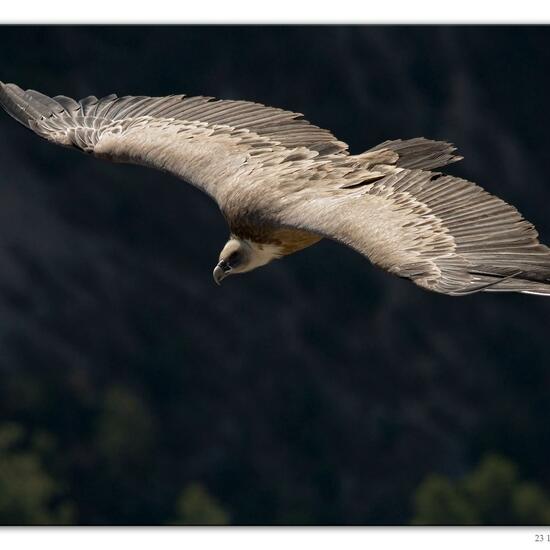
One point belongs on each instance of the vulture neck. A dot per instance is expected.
(262, 253)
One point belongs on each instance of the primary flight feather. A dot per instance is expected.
(283, 184)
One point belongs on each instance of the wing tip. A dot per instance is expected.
(9, 94)
(27, 106)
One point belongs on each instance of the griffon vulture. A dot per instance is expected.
(283, 184)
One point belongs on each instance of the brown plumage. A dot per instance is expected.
(283, 184)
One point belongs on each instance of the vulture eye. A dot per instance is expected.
(234, 258)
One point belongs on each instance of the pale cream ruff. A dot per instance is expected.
(261, 254)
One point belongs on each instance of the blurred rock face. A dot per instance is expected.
(318, 389)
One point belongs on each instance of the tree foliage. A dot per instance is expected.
(492, 494)
(196, 506)
(28, 494)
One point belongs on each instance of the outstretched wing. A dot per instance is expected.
(444, 233)
(197, 138)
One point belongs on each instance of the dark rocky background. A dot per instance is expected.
(316, 390)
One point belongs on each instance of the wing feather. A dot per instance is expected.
(420, 153)
(444, 233)
(237, 114)
(189, 136)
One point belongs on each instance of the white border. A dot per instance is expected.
(275, 11)
(351, 538)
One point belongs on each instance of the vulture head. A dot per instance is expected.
(241, 255)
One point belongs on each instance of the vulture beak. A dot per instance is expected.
(220, 272)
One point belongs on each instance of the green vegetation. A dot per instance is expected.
(197, 507)
(114, 465)
(28, 494)
(492, 494)
(122, 443)
(34, 489)
(125, 429)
